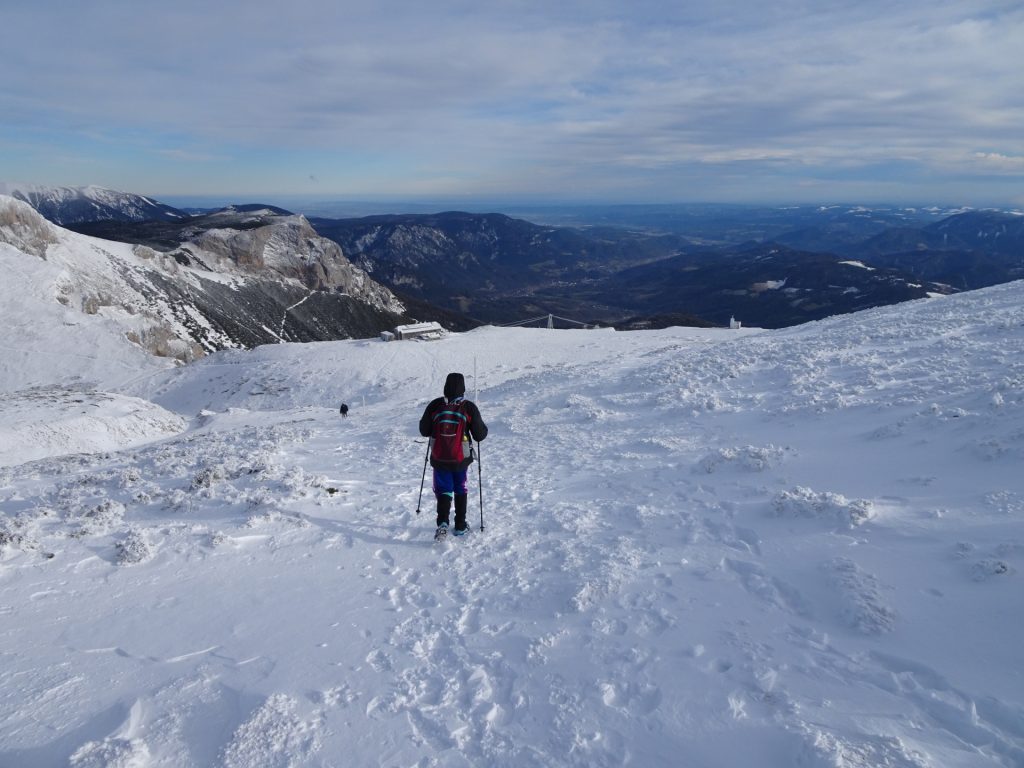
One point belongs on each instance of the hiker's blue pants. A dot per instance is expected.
(450, 483)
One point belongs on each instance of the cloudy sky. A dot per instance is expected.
(576, 101)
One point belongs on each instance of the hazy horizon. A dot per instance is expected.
(320, 205)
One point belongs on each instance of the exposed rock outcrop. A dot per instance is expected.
(289, 247)
(252, 279)
(24, 228)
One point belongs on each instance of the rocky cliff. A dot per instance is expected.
(251, 279)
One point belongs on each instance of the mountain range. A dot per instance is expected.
(500, 270)
(629, 266)
(969, 250)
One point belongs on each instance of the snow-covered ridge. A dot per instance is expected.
(69, 205)
(67, 310)
(86, 278)
(228, 288)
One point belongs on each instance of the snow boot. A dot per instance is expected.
(461, 502)
(444, 506)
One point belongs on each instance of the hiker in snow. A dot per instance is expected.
(451, 421)
(343, 410)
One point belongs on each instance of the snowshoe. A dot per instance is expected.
(441, 533)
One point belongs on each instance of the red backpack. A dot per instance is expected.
(450, 424)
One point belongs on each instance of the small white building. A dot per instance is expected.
(418, 331)
(734, 323)
(387, 336)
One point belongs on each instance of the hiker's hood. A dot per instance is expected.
(454, 386)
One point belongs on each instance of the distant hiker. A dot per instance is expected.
(451, 421)
(343, 410)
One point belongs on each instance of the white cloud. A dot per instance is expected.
(1000, 162)
(600, 87)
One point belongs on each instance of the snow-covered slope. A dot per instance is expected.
(233, 287)
(71, 205)
(71, 296)
(702, 548)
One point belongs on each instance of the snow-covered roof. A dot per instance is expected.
(418, 328)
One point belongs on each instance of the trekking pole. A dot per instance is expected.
(479, 463)
(480, 475)
(422, 479)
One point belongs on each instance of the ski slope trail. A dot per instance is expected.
(704, 548)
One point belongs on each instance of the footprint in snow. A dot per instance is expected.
(385, 557)
(379, 660)
(331, 698)
(469, 620)
(274, 736)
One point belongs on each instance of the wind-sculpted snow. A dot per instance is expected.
(804, 502)
(702, 547)
(46, 421)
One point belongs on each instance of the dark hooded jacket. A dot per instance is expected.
(454, 395)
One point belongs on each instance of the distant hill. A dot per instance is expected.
(767, 285)
(994, 232)
(489, 265)
(729, 225)
(73, 205)
(968, 250)
(501, 269)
